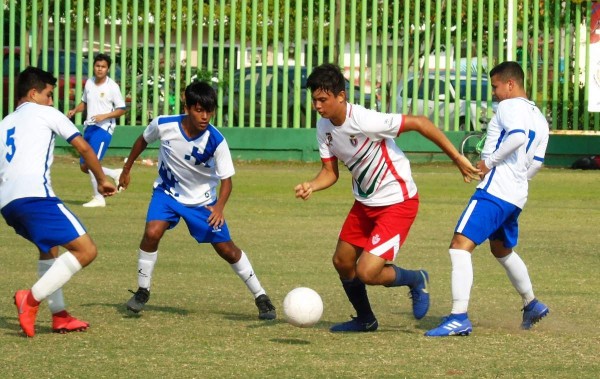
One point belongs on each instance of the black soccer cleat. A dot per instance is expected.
(138, 300)
(266, 310)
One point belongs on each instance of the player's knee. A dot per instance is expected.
(366, 276)
(152, 235)
(83, 168)
(343, 266)
(86, 256)
(229, 252)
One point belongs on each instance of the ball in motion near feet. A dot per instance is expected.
(302, 307)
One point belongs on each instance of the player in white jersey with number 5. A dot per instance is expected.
(193, 160)
(29, 204)
(386, 198)
(517, 137)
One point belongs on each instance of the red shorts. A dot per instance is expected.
(380, 230)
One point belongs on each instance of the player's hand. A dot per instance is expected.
(467, 170)
(483, 169)
(303, 190)
(98, 118)
(216, 218)
(106, 188)
(123, 180)
(71, 113)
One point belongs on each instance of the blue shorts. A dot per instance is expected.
(98, 138)
(487, 216)
(164, 208)
(45, 221)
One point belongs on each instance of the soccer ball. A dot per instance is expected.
(302, 307)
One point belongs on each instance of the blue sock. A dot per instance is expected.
(405, 277)
(357, 294)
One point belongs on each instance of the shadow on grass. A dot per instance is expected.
(12, 327)
(290, 341)
(248, 317)
(121, 308)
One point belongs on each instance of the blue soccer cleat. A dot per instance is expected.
(533, 313)
(420, 296)
(452, 325)
(355, 325)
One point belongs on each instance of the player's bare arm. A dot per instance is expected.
(428, 130)
(78, 108)
(114, 114)
(327, 177)
(138, 147)
(217, 215)
(105, 187)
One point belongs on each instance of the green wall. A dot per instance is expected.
(300, 145)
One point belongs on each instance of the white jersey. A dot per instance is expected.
(101, 99)
(189, 169)
(508, 180)
(365, 143)
(27, 150)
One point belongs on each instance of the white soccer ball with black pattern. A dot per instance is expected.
(302, 307)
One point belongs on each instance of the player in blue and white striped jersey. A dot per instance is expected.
(194, 159)
(29, 204)
(514, 150)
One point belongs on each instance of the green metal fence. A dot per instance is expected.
(410, 56)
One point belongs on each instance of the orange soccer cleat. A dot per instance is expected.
(27, 311)
(63, 322)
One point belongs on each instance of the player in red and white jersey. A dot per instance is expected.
(386, 198)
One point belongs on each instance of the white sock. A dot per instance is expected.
(243, 268)
(109, 171)
(56, 301)
(58, 274)
(95, 187)
(462, 280)
(146, 262)
(518, 275)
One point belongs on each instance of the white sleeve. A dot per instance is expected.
(223, 162)
(533, 169)
(378, 126)
(151, 133)
(117, 98)
(512, 142)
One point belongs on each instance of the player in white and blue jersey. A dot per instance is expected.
(514, 150)
(29, 204)
(104, 104)
(193, 184)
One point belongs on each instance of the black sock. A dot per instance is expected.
(357, 294)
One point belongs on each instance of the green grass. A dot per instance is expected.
(201, 321)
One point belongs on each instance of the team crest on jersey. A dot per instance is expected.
(101, 94)
(353, 141)
(329, 139)
(375, 240)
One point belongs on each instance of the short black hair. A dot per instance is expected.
(327, 77)
(103, 57)
(509, 70)
(33, 78)
(200, 92)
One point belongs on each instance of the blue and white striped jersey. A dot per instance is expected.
(189, 170)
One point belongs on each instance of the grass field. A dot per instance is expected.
(201, 321)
